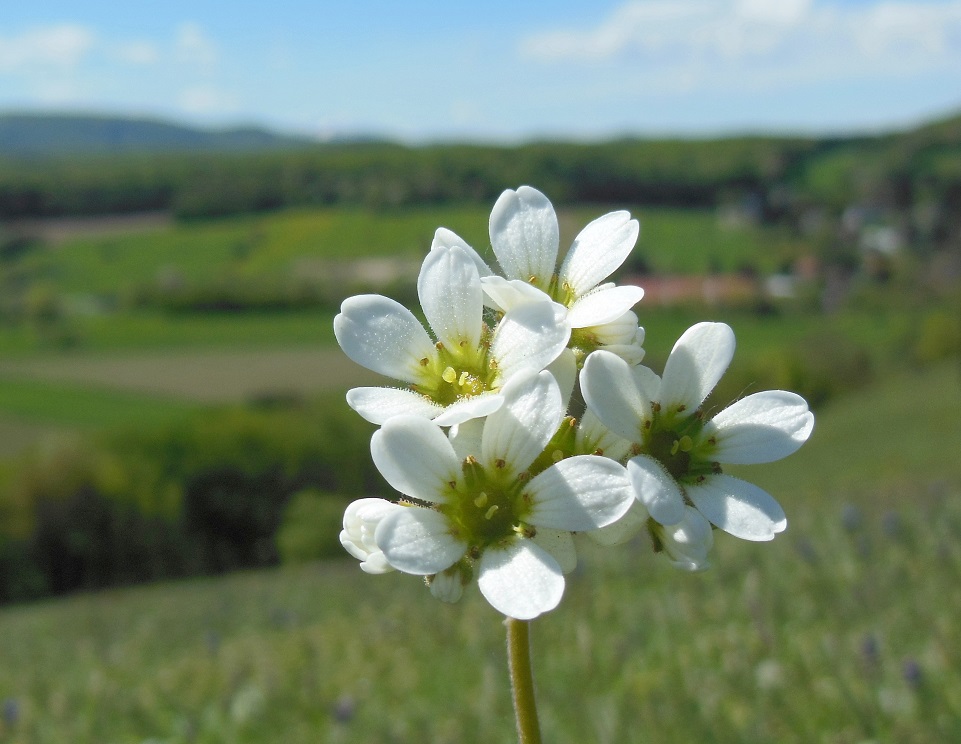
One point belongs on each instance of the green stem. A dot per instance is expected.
(522, 680)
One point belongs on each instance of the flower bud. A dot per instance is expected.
(360, 522)
(688, 542)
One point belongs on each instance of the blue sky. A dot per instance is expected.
(493, 71)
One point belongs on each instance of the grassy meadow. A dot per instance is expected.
(844, 630)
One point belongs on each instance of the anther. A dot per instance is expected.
(481, 501)
(499, 463)
(491, 512)
(449, 375)
(424, 362)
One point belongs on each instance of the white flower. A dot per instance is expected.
(678, 452)
(525, 237)
(360, 521)
(488, 513)
(457, 376)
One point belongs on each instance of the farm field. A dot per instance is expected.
(842, 630)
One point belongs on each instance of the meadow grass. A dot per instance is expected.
(843, 630)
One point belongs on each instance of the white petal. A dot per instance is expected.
(594, 438)
(418, 541)
(647, 382)
(524, 235)
(447, 586)
(450, 294)
(610, 390)
(697, 362)
(383, 335)
(378, 404)
(415, 457)
(506, 294)
(519, 430)
(521, 580)
(738, 507)
(469, 408)
(762, 427)
(529, 337)
(598, 250)
(564, 369)
(689, 542)
(623, 529)
(580, 493)
(656, 489)
(632, 354)
(603, 305)
(444, 238)
(560, 544)
(621, 330)
(466, 437)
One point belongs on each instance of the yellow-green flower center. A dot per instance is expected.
(488, 505)
(457, 373)
(679, 443)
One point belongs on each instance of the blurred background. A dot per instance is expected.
(188, 192)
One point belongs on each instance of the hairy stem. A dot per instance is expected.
(522, 680)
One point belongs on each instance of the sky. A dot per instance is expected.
(493, 71)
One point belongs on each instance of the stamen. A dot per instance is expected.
(449, 375)
(481, 501)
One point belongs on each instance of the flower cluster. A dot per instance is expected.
(498, 465)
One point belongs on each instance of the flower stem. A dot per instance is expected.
(522, 680)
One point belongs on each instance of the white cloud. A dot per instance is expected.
(137, 52)
(758, 43)
(193, 46)
(63, 45)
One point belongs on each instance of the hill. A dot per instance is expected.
(30, 135)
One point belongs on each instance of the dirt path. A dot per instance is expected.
(206, 376)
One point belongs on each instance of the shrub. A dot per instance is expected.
(310, 527)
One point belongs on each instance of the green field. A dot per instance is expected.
(844, 629)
